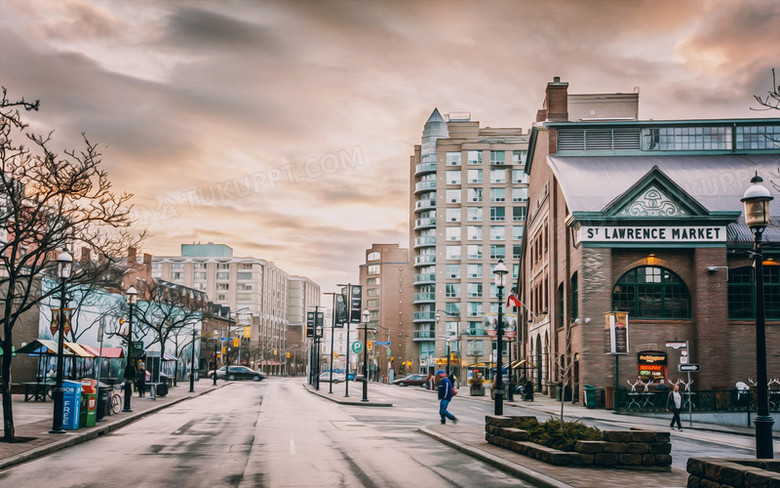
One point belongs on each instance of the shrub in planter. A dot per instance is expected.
(561, 435)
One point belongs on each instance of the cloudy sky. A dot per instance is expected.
(284, 129)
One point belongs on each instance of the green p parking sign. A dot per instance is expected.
(357, 347)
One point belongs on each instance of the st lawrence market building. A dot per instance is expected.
(636, 253)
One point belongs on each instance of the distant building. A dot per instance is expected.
(468, 205)
(252, 288)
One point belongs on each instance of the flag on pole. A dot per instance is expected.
(513, 301)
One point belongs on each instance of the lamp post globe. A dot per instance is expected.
(64, 267)
(756, 200)
(500, 271)
(129, 375)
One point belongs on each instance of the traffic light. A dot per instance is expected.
(370, 345)
(235, 342)
(287, 355)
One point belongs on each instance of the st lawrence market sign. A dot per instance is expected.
(621, 234)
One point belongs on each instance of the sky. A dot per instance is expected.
(284, 128)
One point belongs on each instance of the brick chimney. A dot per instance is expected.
(556, 102)
(131, 259)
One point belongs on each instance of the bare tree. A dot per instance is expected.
(772, 99)
(48, 202)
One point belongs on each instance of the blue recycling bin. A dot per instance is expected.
(71, 404)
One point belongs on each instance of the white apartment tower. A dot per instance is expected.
(469, 197)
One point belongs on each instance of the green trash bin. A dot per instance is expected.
(590, 396)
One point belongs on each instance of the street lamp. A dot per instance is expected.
(366, 317)
(129, 366)
(64, 266)
(756, 200)
(216, 341)
(192, 364)
(500, 273)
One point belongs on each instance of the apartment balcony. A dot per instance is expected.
(424, 185)
(424, 297)
(428, 316)
(424, 335)
(425, 204)
(423, 260)
(424, 279)
(423, 168)
(426, 241)
(424, 223)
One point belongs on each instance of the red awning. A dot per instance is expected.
(108, 352)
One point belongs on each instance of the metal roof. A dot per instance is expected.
(717, 182)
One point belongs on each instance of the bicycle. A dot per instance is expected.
(115, 401)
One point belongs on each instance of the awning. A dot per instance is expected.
(108, 352)
(79, 350)
(269, 362)
(42, 347)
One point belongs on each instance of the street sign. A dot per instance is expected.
(385, 343)
(677, 344)
(357, 347)
(689, 368)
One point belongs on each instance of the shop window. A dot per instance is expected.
(742, 293)
(652, 292)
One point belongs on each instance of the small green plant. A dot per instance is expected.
(562, 435)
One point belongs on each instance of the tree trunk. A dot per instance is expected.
(9, 432)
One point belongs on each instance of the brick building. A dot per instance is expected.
(644, 218)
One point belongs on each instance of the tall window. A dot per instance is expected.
(498, 176)
(497, 157)
(652, 292)
(453, 196)
(497, 214)
(474, 214)
(575, 298)
(474, 157)
(453, 177)
(474, 194)
(452, 290)
(453, 159)
(498, 194)
(474, 175)
(742, 290)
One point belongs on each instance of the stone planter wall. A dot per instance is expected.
(631, 449)
(733, 473)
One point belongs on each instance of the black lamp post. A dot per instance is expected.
(500, 272)
(756, 200)
(366, 317)
(129, 366)
(192, 364)
(216, 341)
(64, 266)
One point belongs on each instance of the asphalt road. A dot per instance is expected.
(270, 434)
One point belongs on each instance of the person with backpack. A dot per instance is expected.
(446, 392)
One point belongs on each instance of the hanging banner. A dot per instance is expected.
(55, 320)
(616, 333)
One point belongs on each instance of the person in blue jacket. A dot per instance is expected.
(446, 391)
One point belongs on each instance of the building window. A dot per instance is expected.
(177, 266)
(652, 292)
(497, 232)
(453, 177)
(742, 289)
(575, 298)
(474, 309)
(453, 196)
(474, 194)
(373, 292)
(373, 256)
(453, 215)
(516, 252)
(474, 233)
(474, 270)
(223, 286)
(453, 271)
(453, 159)
(519, 194)
(497, 251)
(517, 232)
(452, 290)
(519, 176)
(177, 275)
(498, 194)
(373, 303)
(199, 275)
(244, 287)
(474, 176)
(474, 157)
(201, 266)
(452, 308)
(474, 214)
(372, 281)
(223, 276)
(223, 265)
(474, 290)
(372, 269)
(497, 214)
(497, 157)
(453, 252)
(245, 266)
(519, 157)
(518, 214)
(474, 252)
(453, 233)
(498, 176)
(243, 275)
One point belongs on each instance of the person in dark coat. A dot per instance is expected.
(446, 391)
(675, 402)
(140, 380)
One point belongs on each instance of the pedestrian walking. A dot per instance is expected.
(675, 402)
(446, 391)
(140, 380)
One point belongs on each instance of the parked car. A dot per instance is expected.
(337, 377)
(412, 379)
(237, 373)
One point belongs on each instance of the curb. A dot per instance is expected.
(538, 479)
(72, 440)
(358, 403)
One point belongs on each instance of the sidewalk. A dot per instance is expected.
(33, 420)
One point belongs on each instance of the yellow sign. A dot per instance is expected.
(247, 330)
(223, 350)
(235, 342)
(288, 354)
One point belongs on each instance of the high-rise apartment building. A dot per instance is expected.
(386, 279)
(256, 290)
(469, 197)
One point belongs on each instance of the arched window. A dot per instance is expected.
(742, 293)
(652, 292)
